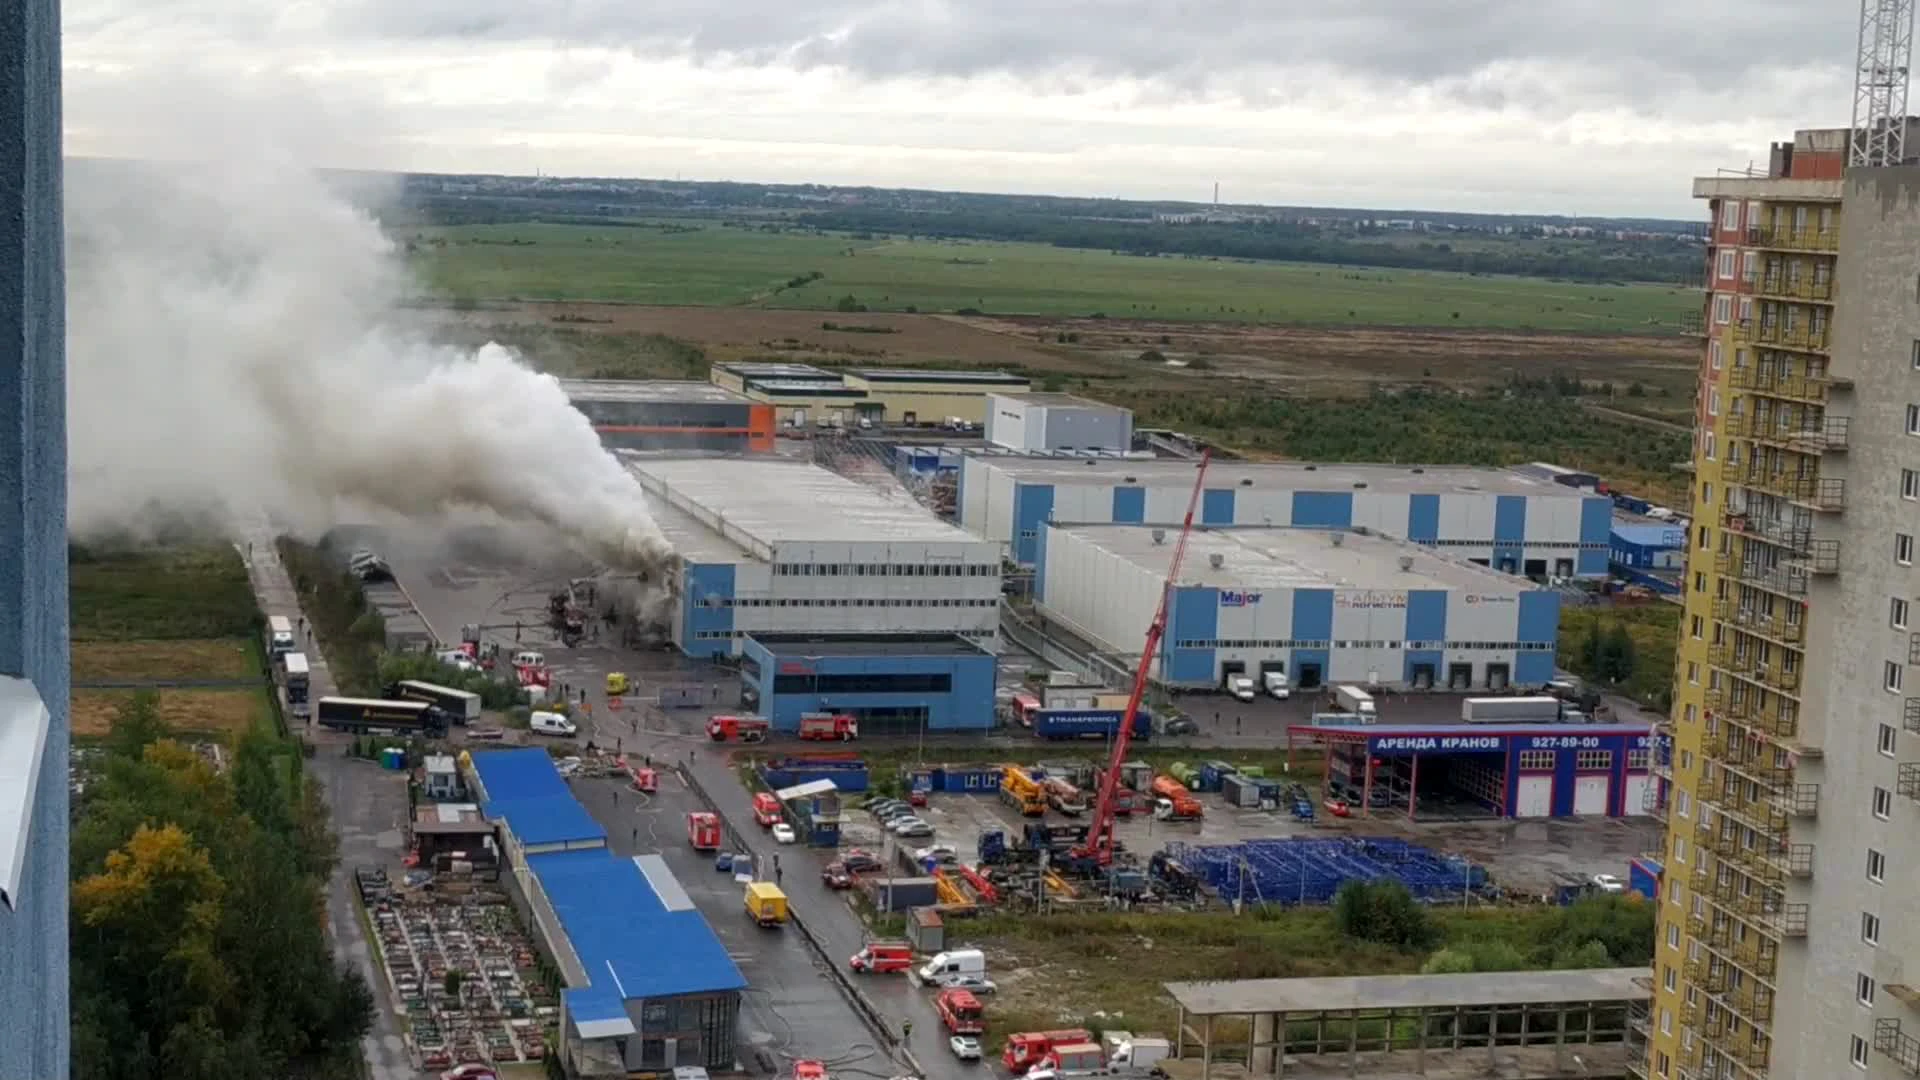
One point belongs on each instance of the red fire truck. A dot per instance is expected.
(827, 727)
(703, 831)
(727, 728)
(960, 1011)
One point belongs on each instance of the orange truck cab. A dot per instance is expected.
(960, 1011)
(1028, 1048)
(726, 728)
(1180, 803)
(881, 957)
(766, 810)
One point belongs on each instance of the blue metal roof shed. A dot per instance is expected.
(635, 932)
(523, 788)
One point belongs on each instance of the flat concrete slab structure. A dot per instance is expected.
(1379, 992)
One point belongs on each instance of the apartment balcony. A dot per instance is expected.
(1907, 780)
(1890, 1041)
(1786, 920)
(1752, 1000)
(1911, 710)
(1782, 287)
(1784, 578)
(1737, 1048)
(1778, 335)
(1821, 493)
(1751, 621)
(1759, 955)
(1711, 974)
(1772, 720)
(1789, 239)
(1794, 535)
(1770, 382)
(1693, 324)
(1778, 677)
(1799, 800)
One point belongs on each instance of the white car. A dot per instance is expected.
(1607, 883)
(965, 1047)
(938, 853)
(783, 833)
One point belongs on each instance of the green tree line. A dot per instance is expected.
(199, 947)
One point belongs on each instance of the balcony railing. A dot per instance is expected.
(1817, 437)
(1790, 239)
(1800, 800)
(1784, 578)
(1778, 335)
(1794, 533)
(1907, 780)
(1782, 287)
(1752, 379)
(1826, 493)
(1693, 324)
(1820, 557)
(1772, 719)
(1787, 920)
(1896, 1045)
(1911, 711)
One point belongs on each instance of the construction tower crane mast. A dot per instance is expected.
(1879, 134)
(1099, 846)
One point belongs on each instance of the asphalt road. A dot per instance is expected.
(367, 807)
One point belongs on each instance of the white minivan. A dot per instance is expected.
(949, 965)
(551, 723)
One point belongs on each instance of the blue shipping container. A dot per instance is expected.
(969, 779)
(1087, 723)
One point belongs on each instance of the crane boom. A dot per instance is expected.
(1100, 837)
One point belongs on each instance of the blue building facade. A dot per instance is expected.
(34, 1024)
(1511, 770)
(1649, 547)
(895, 683)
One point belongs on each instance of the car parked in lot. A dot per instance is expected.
(911, 827)
(877, 807)
(860, 861)
(1181, 724)
(835, 876)
(941, 853)
(978, 984)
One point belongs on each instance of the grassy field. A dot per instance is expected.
(217, 713)
(731, 266)
(187, 659)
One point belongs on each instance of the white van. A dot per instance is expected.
(1240, 686)
(279, 634)
(947, 965)
(551, 723)
(1277, 684)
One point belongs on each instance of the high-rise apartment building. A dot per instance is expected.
(1787, 912)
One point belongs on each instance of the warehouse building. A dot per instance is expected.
(775, 546)
(1036, 421)
(893, 684)
(1494, 517)
(803, 395)
(1491, 770)
(672, 416)
(1323, 606)
(649, 986)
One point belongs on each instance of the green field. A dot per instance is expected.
(717, 265)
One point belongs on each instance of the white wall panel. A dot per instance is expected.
(1075, 504)
(1456, 519)
(975, 484)
(1254, 506)
(1167, 505)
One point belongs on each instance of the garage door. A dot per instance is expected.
(1536, 796)
(1638, 797)
(1590, 795)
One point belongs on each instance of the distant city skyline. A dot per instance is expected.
(1544, 107)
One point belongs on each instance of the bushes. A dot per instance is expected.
(351, 634)
(171, 593)
(1382, 912)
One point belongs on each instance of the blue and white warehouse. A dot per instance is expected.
(1322, 605)
(1495, 517)
(896, 683)
(789, 547)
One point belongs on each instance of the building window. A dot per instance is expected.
(1897, 613)
(1876, 871)
(1682, 803)
(1916, 354)
(1882, 803)
(1723, 309)
(1536, 759)
(1661, 1062)
(1713, 402)
(1726, 265)
(1693, 672)
(1699, 582)
(1694, 626)
(1886, 739)
(1716, 353)
(1909, 484)
(1858, 1054)
(1903, 548)
(1668, 978)
(1673, 935)
(1592, 760)
(1893, 678)
(1870, 928)
(1730, 214)
(1913, 419)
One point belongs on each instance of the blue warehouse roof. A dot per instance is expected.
(1651, 536)
(524, 788)
(636, 932)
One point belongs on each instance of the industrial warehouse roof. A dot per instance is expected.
(635, 933)
(919, 375)
(624, 390)
(823, 645)
(751, 370)
(1053, 400)
(523, 788)
(1277, 476)
(1272, 557)
(1380, 992)
(755, 503)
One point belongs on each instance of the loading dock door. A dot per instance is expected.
(1590, 795)
(1638, 793)
(1536, 796)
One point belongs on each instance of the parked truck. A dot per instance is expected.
(462, 705)
(1134, 1055)
(1510, 710)
(1070, 1059)
(1020, 790)
(299, 683)
(960, 1011)
(362, 715)
(1087, 723)
(703, 831)
(766, 904)
(1352, 699)
(1064, 797)
(828, 727)
(728, 728)
(1029, 1048)
(1174, 801)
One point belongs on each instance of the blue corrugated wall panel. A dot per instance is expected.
(1423, 518)
(967, 707)
(1533, 668)
(1032, 506)
(1129, 505)
(1427, 615)
(708, 596)
(1194, 616)
(1596, 531)
(1313, 614)
(1216, 506)
(1323, 509)
(1509, 532)
(1539, 616)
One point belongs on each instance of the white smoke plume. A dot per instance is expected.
(238, 344)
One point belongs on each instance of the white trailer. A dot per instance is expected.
(1510, 710)
(1354, 700)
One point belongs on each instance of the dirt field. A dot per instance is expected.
(213, 712)
(1083, 353)
(183, 661)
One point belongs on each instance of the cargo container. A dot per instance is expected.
(1510, 710)
(1352, 699)
(1134, 1055)
(1211, 775)
(1087, 723)
(766, 904)
(1240, 791)
(362, 715)
(462, 705)
(1643, 877)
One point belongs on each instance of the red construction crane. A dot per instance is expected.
(1099, 846)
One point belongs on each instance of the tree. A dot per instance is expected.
(1620, 924)
(1383, 912)
(1616, 654)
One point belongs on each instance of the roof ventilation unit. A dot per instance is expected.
(1246, 481)
(1338, 538)
(1216, 560)
(1159, 536)
(1406, 563)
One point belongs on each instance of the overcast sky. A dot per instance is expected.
(1555, 106)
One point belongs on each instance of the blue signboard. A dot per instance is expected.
(1488, 742)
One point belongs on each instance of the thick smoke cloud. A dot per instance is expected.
(238, 345)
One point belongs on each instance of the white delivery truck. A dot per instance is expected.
(1352, 699)
(1276, 684)
(279, 634)
(299, 683)
(946, 965)
(1241, 686)
(1134, 1055)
